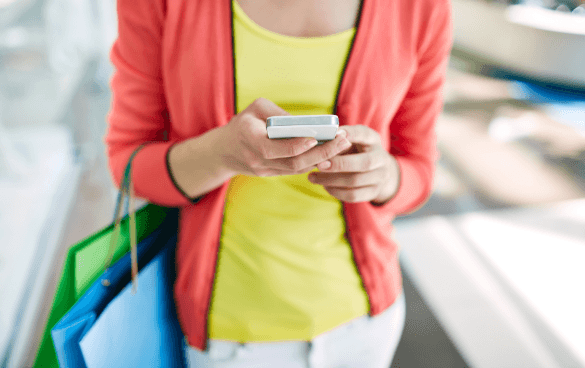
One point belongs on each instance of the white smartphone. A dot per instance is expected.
(321, 127)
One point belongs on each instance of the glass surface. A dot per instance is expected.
(53, 100)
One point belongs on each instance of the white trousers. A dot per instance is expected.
(365, 342)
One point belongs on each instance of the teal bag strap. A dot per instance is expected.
(126, 193)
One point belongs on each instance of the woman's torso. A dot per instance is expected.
(285, 269)
(196, 67)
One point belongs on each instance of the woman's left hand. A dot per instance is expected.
(365, 172)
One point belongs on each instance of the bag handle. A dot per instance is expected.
(126, 193)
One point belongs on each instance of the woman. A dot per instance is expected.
(285, 254)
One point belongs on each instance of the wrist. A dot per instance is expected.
(220, 153)
(195, 164)
(390, 186)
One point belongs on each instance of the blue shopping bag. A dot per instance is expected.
(81, 318)
(144, 323)
(137, 330)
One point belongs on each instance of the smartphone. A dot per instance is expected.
(321, 127)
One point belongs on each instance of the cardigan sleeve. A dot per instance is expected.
(413, 138)
(138, 114)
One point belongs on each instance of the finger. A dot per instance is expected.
(263, 108)
(314, 156)
(277, 172)
(354, 195)
(361, 134)
(353, 163)
(272, 149)
(348, 180)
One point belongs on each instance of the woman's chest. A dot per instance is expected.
(303, 18)
(199, 72)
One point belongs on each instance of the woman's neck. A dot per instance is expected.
(303, 18)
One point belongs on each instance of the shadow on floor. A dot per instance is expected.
(424, 344)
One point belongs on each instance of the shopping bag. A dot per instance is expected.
(139, 330)
(79, 320)
(84, 263)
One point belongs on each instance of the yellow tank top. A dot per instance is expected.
(285, 269)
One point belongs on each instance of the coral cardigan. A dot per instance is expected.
(174, 80)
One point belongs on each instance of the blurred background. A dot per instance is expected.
(494, 262)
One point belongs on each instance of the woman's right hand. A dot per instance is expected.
(203, 163)
(246, 149)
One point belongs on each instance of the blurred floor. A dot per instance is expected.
(476, 171)
(424, 343)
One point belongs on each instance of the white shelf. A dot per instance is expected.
(538, 43)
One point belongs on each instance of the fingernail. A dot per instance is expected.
(311, 143)
(341, 132)
(344, 144)
(324, 165)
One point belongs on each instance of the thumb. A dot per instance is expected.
(361, 134)
(263, 108)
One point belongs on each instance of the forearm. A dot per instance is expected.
(196, 164)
